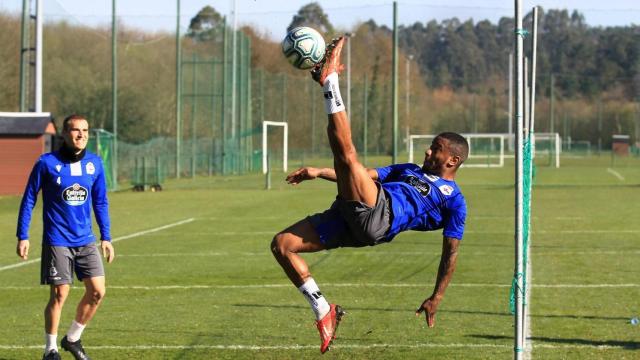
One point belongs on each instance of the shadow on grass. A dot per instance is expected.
(470, 312)
(628, 345)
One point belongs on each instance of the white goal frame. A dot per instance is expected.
(548, 136)
(285, 145)
(499, 137)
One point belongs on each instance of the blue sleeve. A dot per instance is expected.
(29, 200)
(101, 204)
(384, 172)
(456, 217)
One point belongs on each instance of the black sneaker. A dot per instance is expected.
(51, 355)
(75, 348)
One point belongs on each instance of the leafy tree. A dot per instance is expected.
(204, 24)
(313, 16)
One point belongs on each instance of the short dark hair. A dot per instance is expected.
(458, 145)
(70, 118)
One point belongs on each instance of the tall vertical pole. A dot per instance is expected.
(394, 86)
(39, 49)
(407, 99)
(178, 92)
(194, 105)
(519, 266)
(24, 55)
(552, 104)
(510, 105)
(599, 125)
(114, 92)
(365, 124)
(534, 54)
(348, 35)
(234, 60)
(223, 108)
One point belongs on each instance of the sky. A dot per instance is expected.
(272, 17)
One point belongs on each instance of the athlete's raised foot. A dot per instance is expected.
(328, 325)
(331, 62)
(75, 348)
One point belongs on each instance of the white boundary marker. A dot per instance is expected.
(343, 285)
(615, 173)
(136, 234)
(334, 346)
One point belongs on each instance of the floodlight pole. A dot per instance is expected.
(24, 55)
(349, 36)
(114, 93)
(519, 266)
(39, 43)
(178, 91)
(394, 84)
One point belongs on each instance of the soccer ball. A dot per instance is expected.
(303, 47)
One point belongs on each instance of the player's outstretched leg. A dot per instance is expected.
(354, 183)
(286, 245)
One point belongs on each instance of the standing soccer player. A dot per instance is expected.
(72, 181)
(373, 205)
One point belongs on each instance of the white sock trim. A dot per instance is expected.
(51, 342)
(332, 99)
(75, 331)
(318, 303)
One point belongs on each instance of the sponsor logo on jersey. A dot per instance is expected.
(446, 189)
(75, 195)
(58, 167)
(328, 95)
(431, 177)
(423, 187)
(90, 168)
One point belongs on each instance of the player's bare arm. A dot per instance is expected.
(22, 249)
(310, 173)
(107, 250)
(445, 273)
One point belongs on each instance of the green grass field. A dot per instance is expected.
(209, 288)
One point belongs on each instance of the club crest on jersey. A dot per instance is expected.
(75, 195)
(58, 167)
(423, 187)
(446, 189)
(90, 168)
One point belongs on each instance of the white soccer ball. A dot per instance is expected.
(303, 47)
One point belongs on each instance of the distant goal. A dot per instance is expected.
(485, 150)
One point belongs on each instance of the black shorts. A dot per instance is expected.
(349, 223)
(60, 262)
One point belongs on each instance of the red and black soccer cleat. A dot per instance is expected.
(331, 62)
(328, 325)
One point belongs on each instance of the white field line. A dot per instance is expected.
(615, 173)
(488, 232)
(306, 347)
(136, 234)
(341, 285)
(381, 253)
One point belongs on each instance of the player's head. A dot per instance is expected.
(75, 132)
(445, 155)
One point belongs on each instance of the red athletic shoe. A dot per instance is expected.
(331, 62)
(328, 325)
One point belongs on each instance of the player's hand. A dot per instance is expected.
(302, 174)
(22, 249)
(429, 307)
(107, 250)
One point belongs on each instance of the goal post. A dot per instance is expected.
(485, 150)
(549, 144)
(265, 127)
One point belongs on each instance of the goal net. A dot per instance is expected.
(485, 150)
